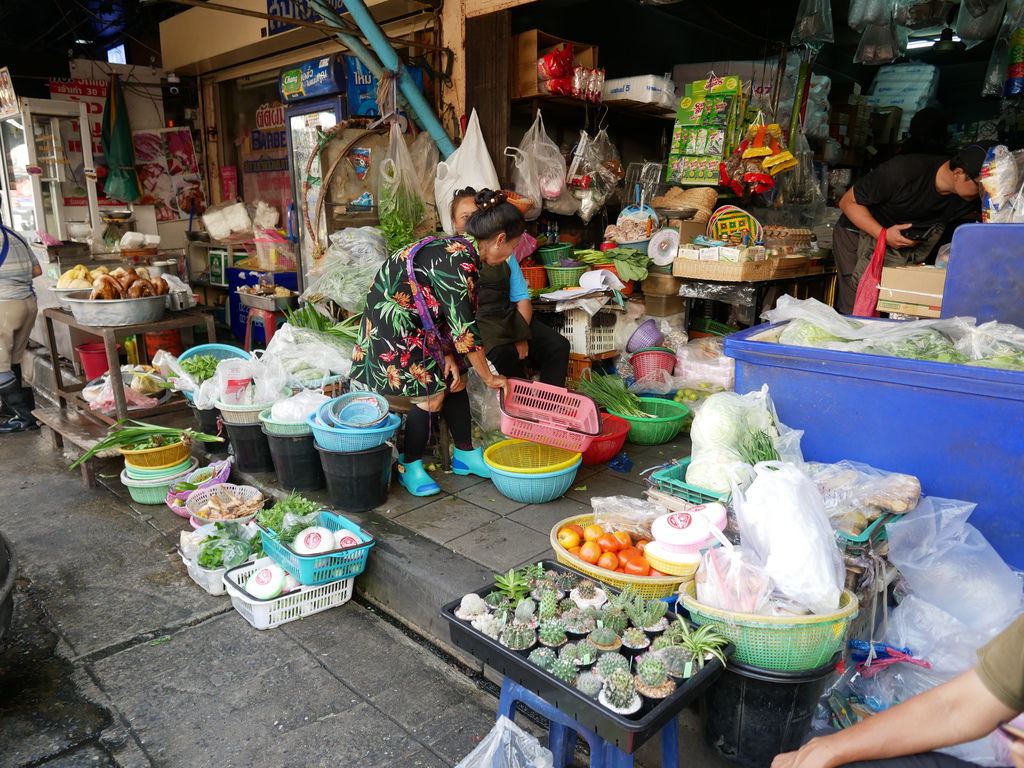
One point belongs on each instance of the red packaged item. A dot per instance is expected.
(580, 76)
(556, 64)
(596, 90)
(558, 86)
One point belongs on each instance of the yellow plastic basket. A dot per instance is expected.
(786, 643)
(157, 458)
(648, 587)
(526, 458)
(674, 569)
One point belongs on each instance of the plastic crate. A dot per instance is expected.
(554, 416)
(883, 411)
(715, 328)
(297, 604)
(589, 335)
(627, 732)
(319, 569)
(672, 480)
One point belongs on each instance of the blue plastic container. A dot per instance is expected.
(536, 488)
(351, 438)
(219, 351)
(312, 570)
(957, 428)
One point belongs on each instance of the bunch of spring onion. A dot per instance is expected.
(137, 435)
(609, 391)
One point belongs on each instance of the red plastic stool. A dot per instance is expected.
(267, 319)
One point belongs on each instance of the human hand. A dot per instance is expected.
(1017, 753)
(497, 382)
(814, 754)
(895, 239)
(523, 348)
(451, 373)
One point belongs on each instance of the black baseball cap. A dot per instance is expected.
(972, 157)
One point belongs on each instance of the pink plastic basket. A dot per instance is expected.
(549, 415)
(221, 472)
(652, 361)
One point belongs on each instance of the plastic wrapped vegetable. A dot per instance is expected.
(855, 495)
(346, 272)
(730, 580)
(400, 203)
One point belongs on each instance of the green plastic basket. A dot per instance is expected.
(552, 254)
(669, 418)
(784, 643)
(283, 428)
(672, 480)
(564, 277)
(715, 328)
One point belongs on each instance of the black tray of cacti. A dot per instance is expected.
(627, 732)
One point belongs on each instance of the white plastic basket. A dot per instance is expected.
(297, 604)
(589, 335)
(198, 498)
(212, 581)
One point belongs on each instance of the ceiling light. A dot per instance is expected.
(83, 41)
(916, 45)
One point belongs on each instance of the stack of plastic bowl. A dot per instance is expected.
(150, 485)
(531, 473)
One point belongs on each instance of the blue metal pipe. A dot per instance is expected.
(354, 44)
(421, 110)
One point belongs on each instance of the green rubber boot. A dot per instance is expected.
(416, 480)
(470, 463)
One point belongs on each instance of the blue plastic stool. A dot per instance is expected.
(563, 730)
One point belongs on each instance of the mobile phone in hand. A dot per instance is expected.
(919, 232)
(1012, 732)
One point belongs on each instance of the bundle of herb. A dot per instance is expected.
(200, 367)
(609, 391)
(140, 436)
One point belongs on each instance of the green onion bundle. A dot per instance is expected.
(609, 391)
(132, 437)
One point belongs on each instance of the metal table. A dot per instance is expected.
(751, 294)
(186, 320)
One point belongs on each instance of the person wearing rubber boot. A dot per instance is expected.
(511, 334)
(17, 316)
(419, 331)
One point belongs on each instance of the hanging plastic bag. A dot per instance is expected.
(468, 166)
(345, 273)
(974, 29)
(879, 44)
(921, 15)
(813, 26)
(782, 521)
(866, 302)
(425, 155)
(728, 579)
(865, 12)
(400, 203)
(996, 82)
(548, 159)
(508, 746)
(524, 180)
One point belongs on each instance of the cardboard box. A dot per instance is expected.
(691, 229)
(916, 290)
(885, 125)
(532, 45)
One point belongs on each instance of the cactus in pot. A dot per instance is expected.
(524, 611)
(495, 598)
(544, 585)
(613, 618)
(587, 594)
(564, 670)
(648, 615)
(565, 580)
(676, 658)
(471, 606)
(518, 637)
(578, 622)
(661, 641)
(566, 604)
(543, 657)
(548, 607)
(619, 693)
(605, 639)
(589, 684)
(587, 652)
(552, 633)
(489, 624)
(651, 679)
(609, 662)
(635, 639)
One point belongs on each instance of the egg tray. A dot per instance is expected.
(627, 732)
(312, 570)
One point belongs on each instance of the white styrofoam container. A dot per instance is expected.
(297, 604)
(647, 89)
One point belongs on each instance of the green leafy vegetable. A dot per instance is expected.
(609, 391)
(929, 344)
(400, 212)
(141, 436)
(200, 367)
(273, 519)
(803, 333)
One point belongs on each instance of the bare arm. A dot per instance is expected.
(36, 270)
(478, 360)
(861, 217)
(525, 307)
(952, 713)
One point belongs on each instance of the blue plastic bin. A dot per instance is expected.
(312, 570)
(958, 428)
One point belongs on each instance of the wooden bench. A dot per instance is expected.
(78, 430)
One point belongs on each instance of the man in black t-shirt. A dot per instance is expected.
(923, 192)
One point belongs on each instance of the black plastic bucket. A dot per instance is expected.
(753, 714)
(207, 423)
(252, 452)
(296, 462)
(357, 481)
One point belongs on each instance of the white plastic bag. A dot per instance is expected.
(266, 382)
(730, 580)
(949, 563)
(547, 160)
(308, 357)
(468, 166)
(299, 407)
(508, 746)
(783, 523)
(345, 273)
(975, 29)
(864, 12)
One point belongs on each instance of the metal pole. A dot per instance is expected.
(418, 104)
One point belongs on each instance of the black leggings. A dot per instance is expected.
(419, 425)
(548, 355)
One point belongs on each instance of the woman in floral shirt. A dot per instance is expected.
(417, 335)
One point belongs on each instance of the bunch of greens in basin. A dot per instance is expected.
(131, 435)
(200, 367)
(609, 391)
(273, 519)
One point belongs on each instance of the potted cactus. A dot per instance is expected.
(552, 633)
(651, 679)
(648, 615)
(505, 612)
(495, 598)
(565, 580)
(524, 613)
(588, 595)
(471, 606)
(609, 662)
(578, 622)
(590, 684)
(614, 618)
(635, 639)
(547, 607)
(542, 657)
(677, 660)
(661, 641)
(605, 639)
(518, 637)
(540, 586)
(566, 604)
(564, 670)
(587, 652)
(489, 624)
(619, 693)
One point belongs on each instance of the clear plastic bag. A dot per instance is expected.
(729, 579)
(949, 563)
(922, 15)
(973, 29)
(548, 159)
(999, 59)
(865, 12)
(813, 26)
(400, 205)
(299, 407)
(425, 155)
(508, 746)
(484, 408)
(855, 494)
(992, 340)
(704, 361)
(626, 513)
(309, 357)
(783, 523)
(999, 182)
(266, 384)
(879, 44)
(346, 272)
